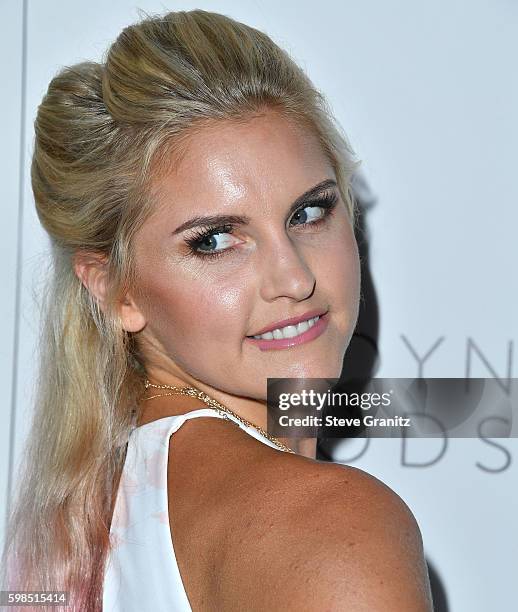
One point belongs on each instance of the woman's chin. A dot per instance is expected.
(317, 370)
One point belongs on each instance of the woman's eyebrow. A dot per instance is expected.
(244, 219)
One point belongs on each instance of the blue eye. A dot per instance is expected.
(320, 209)
(206, 238)
(318, 214)
(215, 240)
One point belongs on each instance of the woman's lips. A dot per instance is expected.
(310, 314)
(282, 343)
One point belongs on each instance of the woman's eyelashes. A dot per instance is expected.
(213, 238)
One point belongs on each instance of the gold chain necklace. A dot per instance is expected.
(219, 408)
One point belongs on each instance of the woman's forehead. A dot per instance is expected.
(228, 162)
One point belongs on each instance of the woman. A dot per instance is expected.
(196, 192)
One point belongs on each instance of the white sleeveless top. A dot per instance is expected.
(141, 572)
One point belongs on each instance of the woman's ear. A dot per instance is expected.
(132, 317)
(92, 271)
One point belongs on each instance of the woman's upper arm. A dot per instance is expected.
(352, 546)
(375, 564)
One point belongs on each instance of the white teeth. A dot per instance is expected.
(290, 331)
(302, 327)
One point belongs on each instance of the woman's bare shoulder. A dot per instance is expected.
(289, 532)
(314, 535)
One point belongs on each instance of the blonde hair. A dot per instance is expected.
(103, 130)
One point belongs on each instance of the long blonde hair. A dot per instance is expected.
(102, 131)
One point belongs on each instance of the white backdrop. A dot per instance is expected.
(428, 95)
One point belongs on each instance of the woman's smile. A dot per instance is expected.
(291, 335)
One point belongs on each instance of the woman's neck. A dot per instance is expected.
(306, 447)
(252, 410)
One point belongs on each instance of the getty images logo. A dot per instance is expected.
(312, 399)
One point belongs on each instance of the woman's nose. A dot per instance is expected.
(285, 272)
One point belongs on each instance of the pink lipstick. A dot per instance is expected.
(313, 332)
